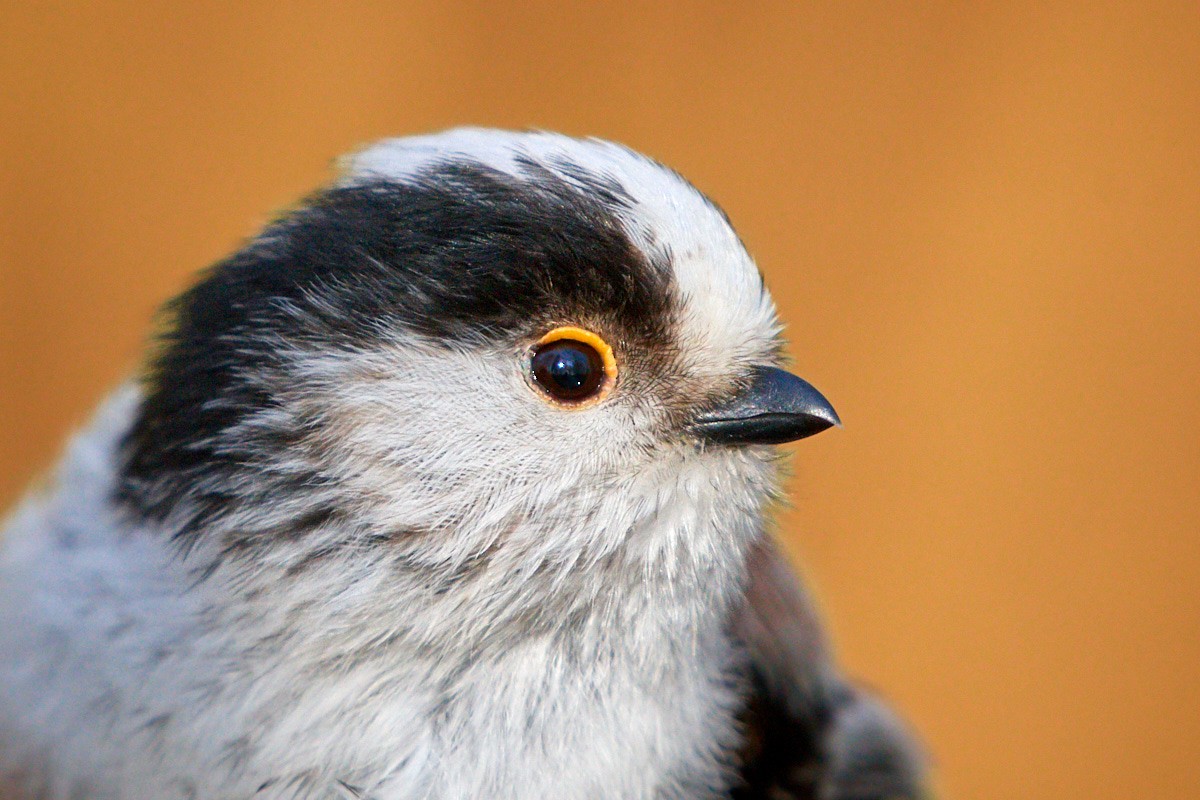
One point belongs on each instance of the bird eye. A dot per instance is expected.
(573, 366)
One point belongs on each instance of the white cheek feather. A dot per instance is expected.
(588, 658)
(515, 601)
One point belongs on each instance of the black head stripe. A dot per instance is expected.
(461, 253)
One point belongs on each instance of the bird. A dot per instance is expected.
(455, 481)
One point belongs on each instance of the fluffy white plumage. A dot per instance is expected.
(124, 675)
(507, 599)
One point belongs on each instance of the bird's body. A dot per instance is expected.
(179, 695)
(346, 542)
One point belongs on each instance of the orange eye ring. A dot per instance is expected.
(572, 367)
(588, 338)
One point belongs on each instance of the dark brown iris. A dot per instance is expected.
(568, 370)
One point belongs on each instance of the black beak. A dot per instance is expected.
(776, 407)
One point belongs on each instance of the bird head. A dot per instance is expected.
(474, 348)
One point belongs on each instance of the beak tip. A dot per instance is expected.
(778, 407)
(816, 423)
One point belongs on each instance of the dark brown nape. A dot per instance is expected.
(810, 733)
(780, 759)
(784, 718)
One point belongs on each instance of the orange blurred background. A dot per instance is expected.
(983, 228)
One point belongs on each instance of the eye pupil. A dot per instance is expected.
(568, 370)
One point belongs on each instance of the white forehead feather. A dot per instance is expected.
(728, 315)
